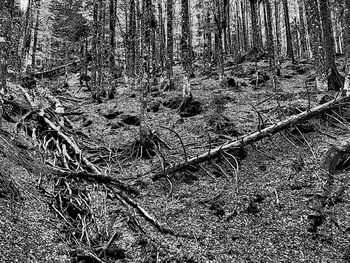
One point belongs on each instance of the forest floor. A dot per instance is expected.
(264, 213)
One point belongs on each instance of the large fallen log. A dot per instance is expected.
(253, 137)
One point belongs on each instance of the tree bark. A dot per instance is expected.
(112, 21)
(314, 31)
(335, 81)
(254, 22)
(169, 42)
(6, 13)
(185, 39)
(302, 31)
(290, 52)
(347, 46)
(269, 33)
(35, 37)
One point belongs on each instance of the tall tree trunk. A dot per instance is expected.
(302, 31)
(244, 27)
(161, 35)
(238, 30)
(131, 40)
(314, 31)
(254, 22)
(95, 48)
(290, 52)
(6, 13)
(35, 38)
(335, 81)
(347, 46)
(278, 41)
(269, 33)
(27, 35)
(169, 44)
(185, 39)
(208, 39)
(112, 21)
(218, 35)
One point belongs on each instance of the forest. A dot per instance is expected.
(174, 131)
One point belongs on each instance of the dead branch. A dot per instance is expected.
(255, 136)
(99, 178)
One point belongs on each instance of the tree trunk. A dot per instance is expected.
(347, 46)
(302, 31)
(314, 30)
(169, 42)
(254, 22)
(161, 36)
(35, 38)
(27, 35)
(185, 39)
(278, 41)
(269, 33)
(112, 21)
(130, 40)
(335, 81)
(290, 52)
(95, 51)
(218, 35)
(208, 39)
(6, 13)
(244, 27)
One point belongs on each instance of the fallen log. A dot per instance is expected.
(253, 137)
(57, 71)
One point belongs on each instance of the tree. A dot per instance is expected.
(290, 52)
(6, 13)
(269, 33)
(335, 81)
(35, 38)
(169, 44)
(185, 38)
(186, 47)
(302, 31)
(28, 24)
(254, 22)
(112, 21)
(219, 21)
(347, 45)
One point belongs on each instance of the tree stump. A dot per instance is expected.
(337, 158)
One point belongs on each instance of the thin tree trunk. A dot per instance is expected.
(112, 21)
(290, 52)
(161, 35)
(35, 38)
(278, 42)
(218, 42)
(347, 46)
(244, 27)
(26, 35)
(302, 31)
(185, 39)
(270, 44)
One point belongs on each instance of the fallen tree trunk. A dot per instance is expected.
(57, 71)
(253, 137)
